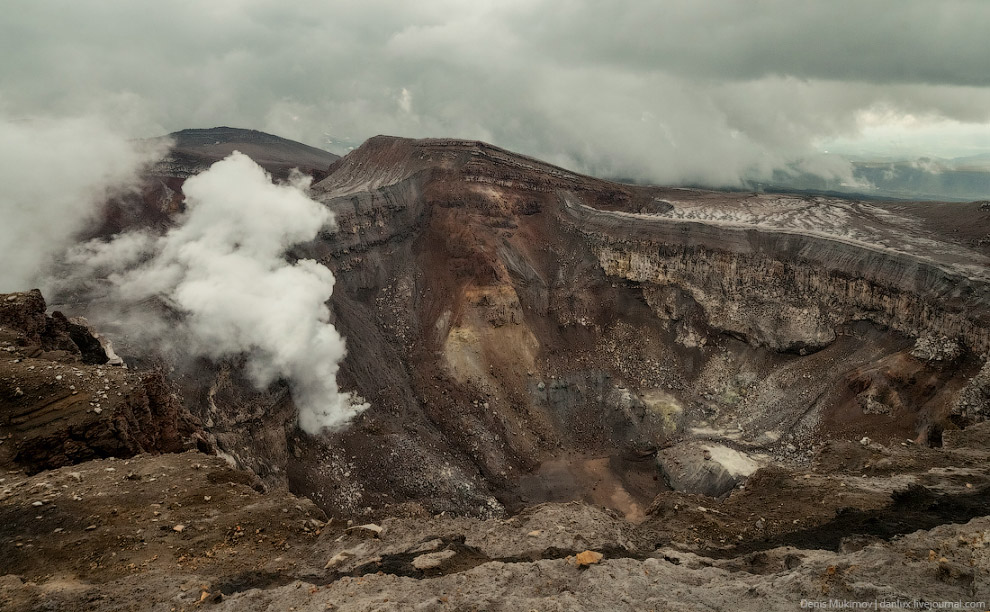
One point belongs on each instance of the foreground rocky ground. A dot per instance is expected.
(187, 532)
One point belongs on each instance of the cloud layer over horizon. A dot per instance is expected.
(669, 92)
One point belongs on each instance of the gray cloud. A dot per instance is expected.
(675, 91)
(937, 43)
(54, 174)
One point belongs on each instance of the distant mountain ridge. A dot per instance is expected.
(195, 149)
(924, 179)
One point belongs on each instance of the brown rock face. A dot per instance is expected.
(535, 332)
(59, 405)
(24, 315)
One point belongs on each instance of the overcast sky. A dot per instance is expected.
(669, 91)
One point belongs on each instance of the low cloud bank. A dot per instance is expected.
(54, 176)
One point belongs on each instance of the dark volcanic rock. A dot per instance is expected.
(59, 405)
(194, 150)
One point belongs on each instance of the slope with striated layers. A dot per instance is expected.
(62, 401)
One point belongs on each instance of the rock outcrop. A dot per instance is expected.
(974, 400)
(62, 403)
(789, 291)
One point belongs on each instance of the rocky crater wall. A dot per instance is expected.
(789, 291)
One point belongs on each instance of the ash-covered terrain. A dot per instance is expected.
(581, 395)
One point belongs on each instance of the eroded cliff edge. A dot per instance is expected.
(789, 290)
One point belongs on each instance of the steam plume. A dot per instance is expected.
(223, 269)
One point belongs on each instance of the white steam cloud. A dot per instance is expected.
(223, 268)
(54, 174)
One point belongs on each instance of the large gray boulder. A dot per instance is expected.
(704, 468)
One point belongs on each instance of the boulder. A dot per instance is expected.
(704, 468)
